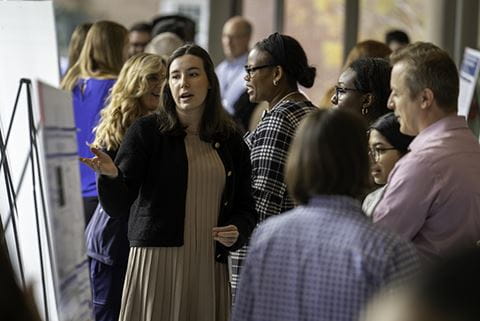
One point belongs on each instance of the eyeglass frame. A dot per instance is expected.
(345, 89)
(250, 70)
(154, 78)
(375, 153)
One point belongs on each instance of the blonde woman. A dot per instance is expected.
(135, 94)
(90, 80)
(76, 44)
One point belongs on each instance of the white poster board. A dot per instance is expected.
(197, 10)
(28, 50)
(468, 80)
(71, 276)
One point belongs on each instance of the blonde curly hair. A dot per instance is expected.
(124, 106)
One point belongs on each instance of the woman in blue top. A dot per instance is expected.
(90, 80)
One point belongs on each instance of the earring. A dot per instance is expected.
(275, 83)
(364, 110)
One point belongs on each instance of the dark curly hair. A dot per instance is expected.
(288, 53)
(373, 76)
(389, 127)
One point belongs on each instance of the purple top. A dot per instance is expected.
(433, 193)
(322, 261)
(86, 107)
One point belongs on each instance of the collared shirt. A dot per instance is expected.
(232, 85)
(433, 193)
(321, 262)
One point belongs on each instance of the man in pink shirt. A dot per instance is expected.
(433, 193)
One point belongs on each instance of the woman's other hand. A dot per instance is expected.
(101, 163)
(226, 235)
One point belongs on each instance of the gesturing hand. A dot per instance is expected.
(226, 235)
(101, 163)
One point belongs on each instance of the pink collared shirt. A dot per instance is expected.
(433, 193)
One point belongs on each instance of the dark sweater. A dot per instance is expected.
(152, 184)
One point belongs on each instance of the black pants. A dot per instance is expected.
(107, 285)
(89, 206)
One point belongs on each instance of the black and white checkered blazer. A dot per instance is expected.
(269, 145)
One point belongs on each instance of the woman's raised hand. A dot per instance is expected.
(101, 163)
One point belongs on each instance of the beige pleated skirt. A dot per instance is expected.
(184, 283)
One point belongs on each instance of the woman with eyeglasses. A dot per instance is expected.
(275, 67)
(386, 146)
(364, 88)
(364, 49)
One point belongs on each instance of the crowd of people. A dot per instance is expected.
(226, 194)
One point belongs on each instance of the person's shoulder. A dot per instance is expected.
(148, 120)
(289, 107)
(234, 141)
(280, 224)
(233, 135)
(292, 112)
(101, 84)
(221, 66)
(145, 124)
(102, 81)
(414, 164)
(382, 243)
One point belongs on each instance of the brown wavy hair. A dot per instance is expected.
(215, 122)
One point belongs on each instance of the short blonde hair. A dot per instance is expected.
(164, 44)
(101, 55)
(428, 66)
(124, 105)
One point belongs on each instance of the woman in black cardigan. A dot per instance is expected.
(183, 177)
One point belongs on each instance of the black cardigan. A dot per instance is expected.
(152, 183)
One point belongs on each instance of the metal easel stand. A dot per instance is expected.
(34, 160)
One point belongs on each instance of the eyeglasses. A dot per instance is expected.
(155, 78)
(376, 152)
(343, 90)
(250, 70)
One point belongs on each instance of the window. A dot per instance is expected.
(407, 15)
(318, 26)
(261, 13)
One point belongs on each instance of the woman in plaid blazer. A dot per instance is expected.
(275, 67)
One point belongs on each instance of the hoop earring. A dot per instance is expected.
(275, 83)
(364, 110)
